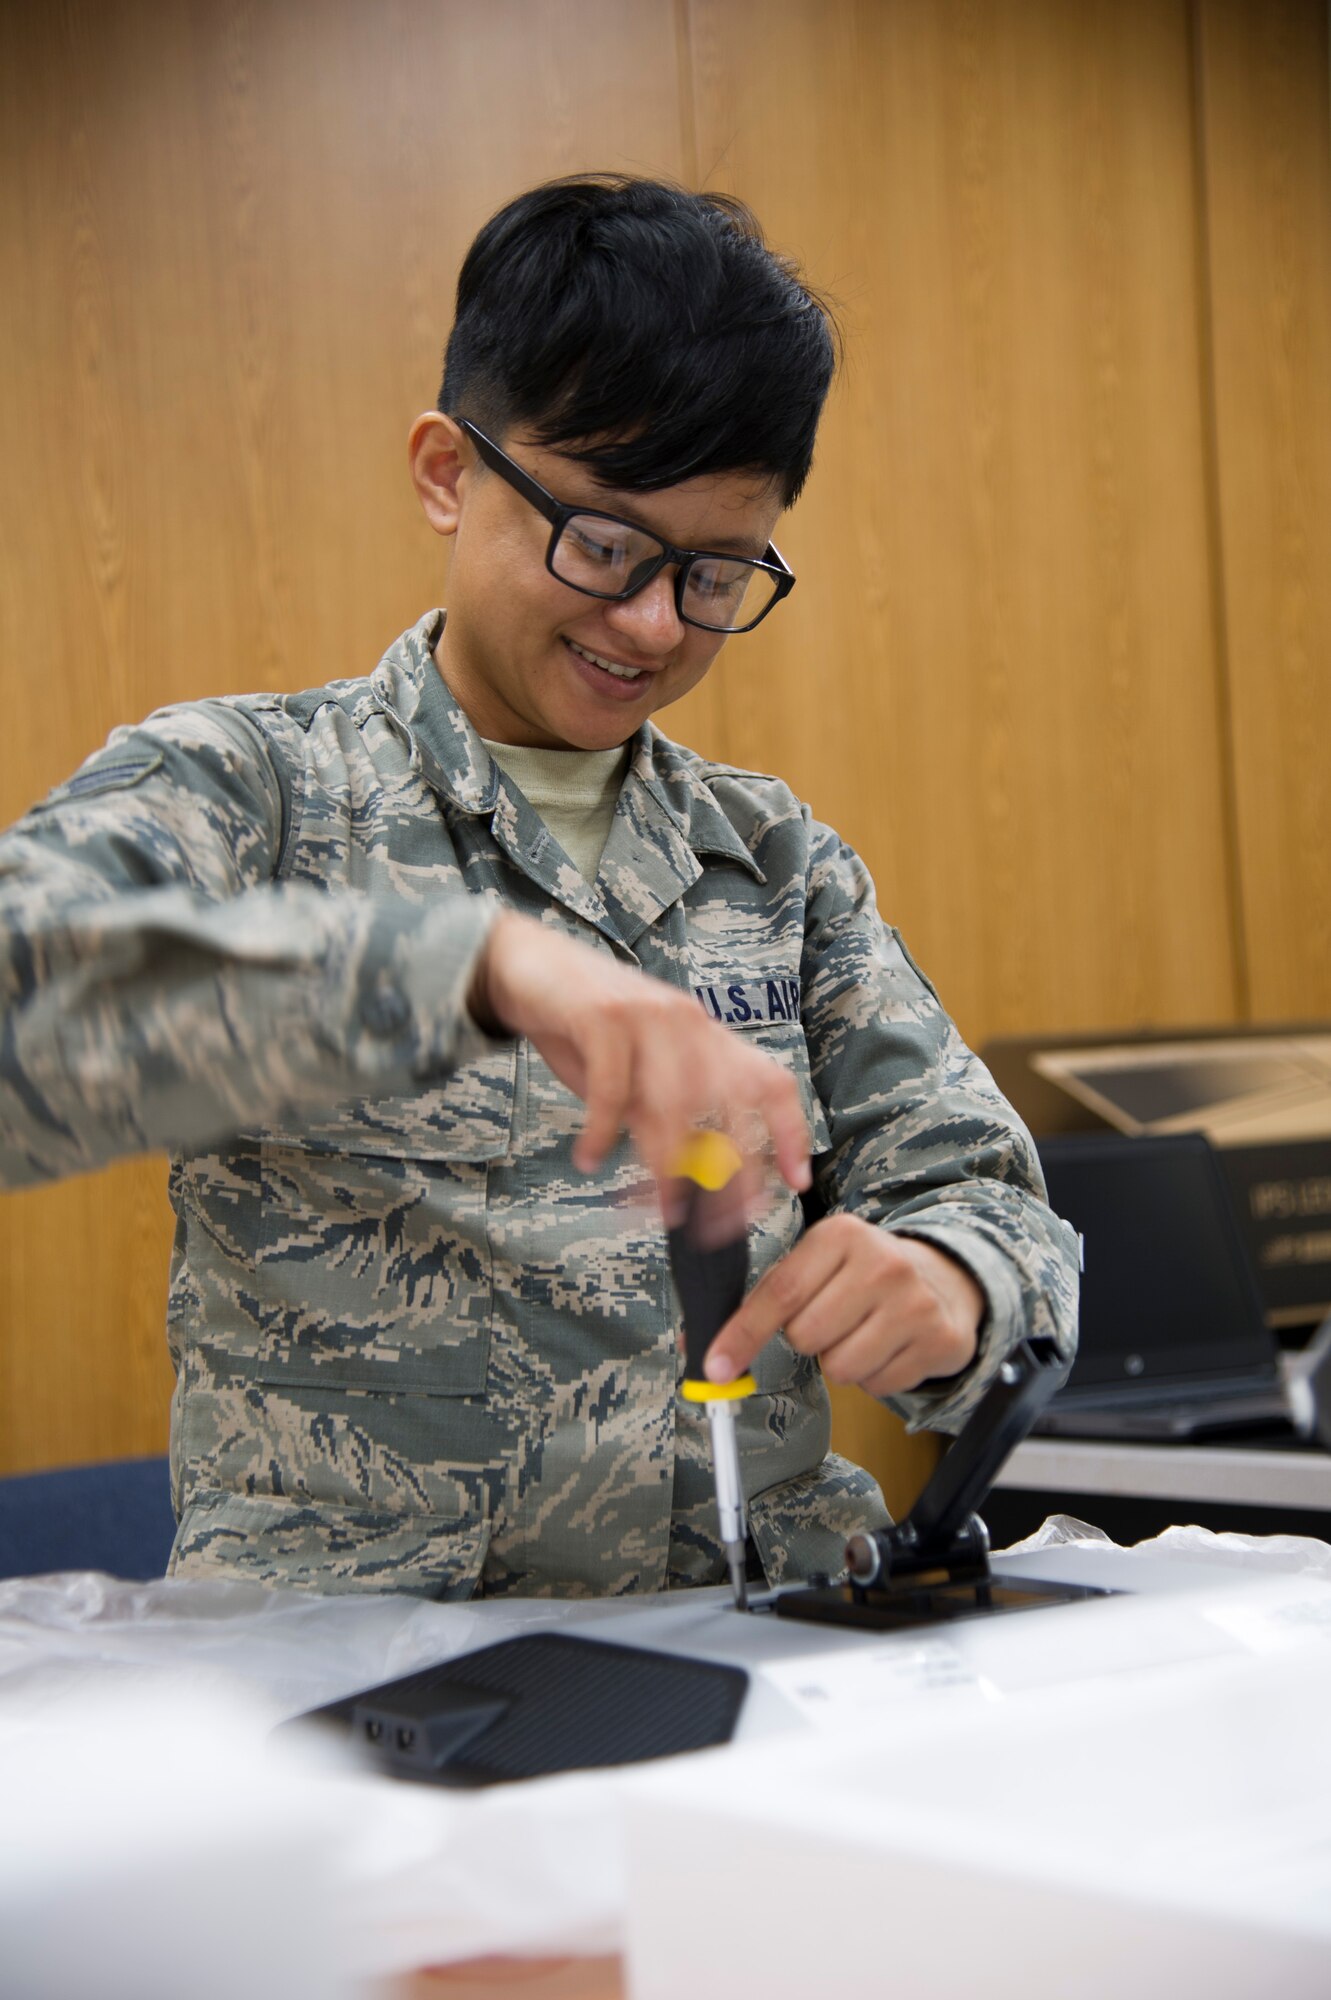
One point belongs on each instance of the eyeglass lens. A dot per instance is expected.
(612, 559)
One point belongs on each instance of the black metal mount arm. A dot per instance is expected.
(934, 1565)
(943, 1530)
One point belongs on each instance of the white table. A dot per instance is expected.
(396, 1876)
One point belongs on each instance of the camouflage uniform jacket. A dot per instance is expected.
(415, 1348)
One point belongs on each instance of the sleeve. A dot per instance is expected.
(159, 987)
(922, 1140)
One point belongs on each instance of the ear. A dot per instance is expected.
(442, 460)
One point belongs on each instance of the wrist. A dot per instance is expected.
(962, 1299)
(480, 1000)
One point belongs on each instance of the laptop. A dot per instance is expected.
(1174, 1344)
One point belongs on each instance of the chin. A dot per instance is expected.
(597, 733)
(606, 740)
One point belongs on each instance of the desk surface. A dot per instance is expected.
(547, 1869)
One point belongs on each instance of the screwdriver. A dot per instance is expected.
(710, 1279)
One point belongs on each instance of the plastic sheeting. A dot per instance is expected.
(1264, 1555)
(166, 1693)
(130, 1709)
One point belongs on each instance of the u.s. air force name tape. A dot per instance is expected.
(740, 1002)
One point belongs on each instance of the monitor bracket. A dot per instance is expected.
(934, 1566)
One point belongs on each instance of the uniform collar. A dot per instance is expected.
(666, 818)
(443, 743)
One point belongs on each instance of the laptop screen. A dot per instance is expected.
(1167, 1296)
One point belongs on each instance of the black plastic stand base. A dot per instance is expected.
(901, 1606)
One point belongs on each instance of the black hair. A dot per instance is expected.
(648, 332)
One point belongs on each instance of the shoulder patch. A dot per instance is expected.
(115, 773)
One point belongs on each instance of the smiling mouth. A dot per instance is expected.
(628, 675)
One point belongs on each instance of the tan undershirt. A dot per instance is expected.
(574, 791)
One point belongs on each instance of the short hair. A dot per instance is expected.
(648, 332)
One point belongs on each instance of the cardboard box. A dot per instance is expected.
(1161, 1837)
(1261, 1096)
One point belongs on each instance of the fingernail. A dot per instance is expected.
(803, 1176)
(719, 1368)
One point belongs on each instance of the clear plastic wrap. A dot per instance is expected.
(1266, 1555)
(163, 1697)
(144, 1712)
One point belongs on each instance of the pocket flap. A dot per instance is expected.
(470, 1117)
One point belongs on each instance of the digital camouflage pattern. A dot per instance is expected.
(415, 1348)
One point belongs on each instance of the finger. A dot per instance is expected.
(706, 1190)
(902, 1370)
(777, 1297)
(672, 1195)
(757, 1104)
(872, 1353)
(665, 1111)
(778, 1104)
(850, 1297)
(609, 1079)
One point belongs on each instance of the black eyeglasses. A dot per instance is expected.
(606, 557)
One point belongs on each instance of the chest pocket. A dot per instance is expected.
(784, 1041)
(373, 1260)
(779, 1223)
(764, 1007)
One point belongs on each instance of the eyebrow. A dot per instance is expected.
(747, 546)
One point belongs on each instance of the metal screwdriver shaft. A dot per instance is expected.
(710, 1277)
(729, 1497)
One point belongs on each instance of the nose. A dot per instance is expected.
(649, 619)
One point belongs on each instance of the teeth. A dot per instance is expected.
(608, 666)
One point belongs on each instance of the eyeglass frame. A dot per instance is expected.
(559, 513)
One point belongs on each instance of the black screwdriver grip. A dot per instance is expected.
(709, 1278)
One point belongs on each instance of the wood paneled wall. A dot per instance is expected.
(1263, 85)
(1060, 658)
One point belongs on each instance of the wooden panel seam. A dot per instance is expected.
(1215, 539)
(687, 90)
